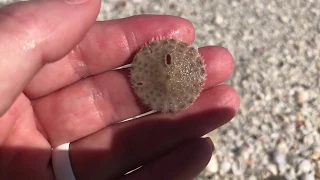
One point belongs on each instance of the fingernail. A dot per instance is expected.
(75, 1)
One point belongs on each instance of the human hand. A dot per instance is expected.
(48, 48)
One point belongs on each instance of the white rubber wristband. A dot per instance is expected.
(61, 163)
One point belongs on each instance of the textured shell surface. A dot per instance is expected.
(167, 75)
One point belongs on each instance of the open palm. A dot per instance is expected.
(57, 86)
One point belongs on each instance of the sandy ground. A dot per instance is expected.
(276, 47)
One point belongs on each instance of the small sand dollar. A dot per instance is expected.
(167, 75)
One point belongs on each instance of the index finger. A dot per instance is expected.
(107, 45)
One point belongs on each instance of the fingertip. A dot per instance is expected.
(201, 149)
(199, 152)
(209, 149)
(154, 26)
(219, 64)
(210, 144)
(228, 98)
(225, 55)
(227, 58)
(126, 36)
(233, 98)
(186, 28)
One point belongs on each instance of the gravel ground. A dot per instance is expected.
(276, 47)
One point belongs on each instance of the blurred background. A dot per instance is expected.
(276, 47)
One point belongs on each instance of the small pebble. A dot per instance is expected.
(225, 167)
(272, 169)
(213, 165)
(279, 158)
(284, 19)
(318, 66)
(305, 166)
(307, 176)
(316, 153)
(252, 178)
(302, 96)
(219, 19)
(291, 174)
(308, 139)
(236, 169)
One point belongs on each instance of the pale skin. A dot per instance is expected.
(48, 48)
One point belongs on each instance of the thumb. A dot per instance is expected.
(34, 33)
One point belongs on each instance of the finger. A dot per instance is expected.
(219, 65)
(107, 45)
(126, 146)
(184, 162)
(96, 102)
(34, 33)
